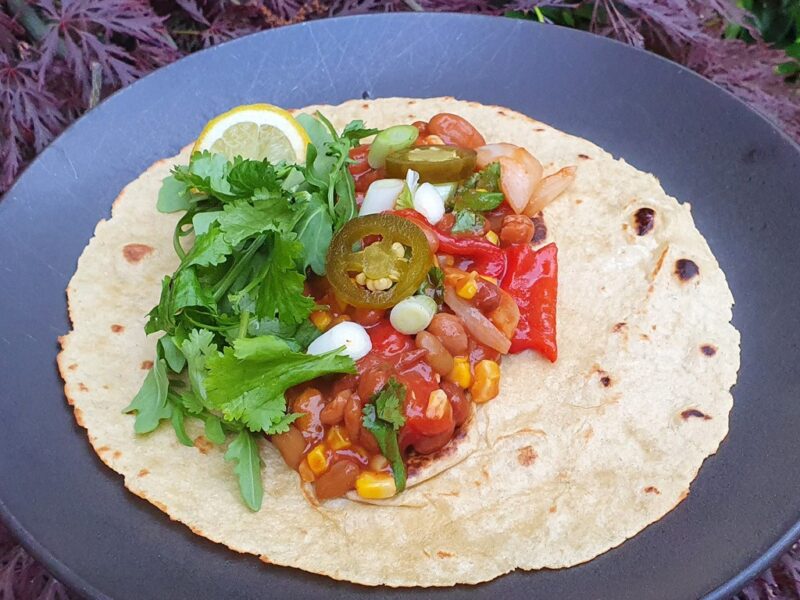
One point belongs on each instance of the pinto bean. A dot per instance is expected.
(337, 481)
(352, 416)
(450, 332)
(291, 445)
(458, 400)
(334, 410)
(516, 229)
(437, 355)
(487, 298)
(372, 382)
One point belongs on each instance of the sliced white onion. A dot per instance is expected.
(429, 203)
(381, 195)
(412, 180)
(352, 336)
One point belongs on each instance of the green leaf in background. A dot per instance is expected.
(213, 429)
(467, 221)
(197, 348)
(150, 403)
(243, 450)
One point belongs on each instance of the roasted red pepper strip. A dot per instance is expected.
(532, 280)
(487, 258)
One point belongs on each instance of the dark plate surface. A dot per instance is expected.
(739, 173)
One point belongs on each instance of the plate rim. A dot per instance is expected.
(76, 583)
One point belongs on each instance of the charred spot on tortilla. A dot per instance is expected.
(146, 365)
(526, 456)
(117, 328)
(652, 490)
(685, 269)
(708, 349)
(645, 220)
(202, 444)
(584, 156)
(73, 366)
(539, 229)
(134, 253)
(82, 387)
(693, 412)
(619, 327)
(143, 473)
(605, 380)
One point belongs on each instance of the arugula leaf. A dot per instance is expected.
(244, 451)
(467, 221)
(210, 248)
(389, 403)
(173, 355)
(197, 349)
(248, 381)
(178, 419)
(173, 196)
(213, 429)
(314, 231)
(150, 403)
(242, 220)
(386, 436)
(281, 290)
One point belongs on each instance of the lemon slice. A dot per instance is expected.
(255, 131)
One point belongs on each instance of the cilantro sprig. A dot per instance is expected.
(383, 418)
(233, 315)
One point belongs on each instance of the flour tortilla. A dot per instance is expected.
(569, 461)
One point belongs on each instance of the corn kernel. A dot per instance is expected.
(461, 374)
(492, 237)
(305, 472)
(318, 459)
(487, 381)
(437, 404)
(467, 288)
(321, 319)
(337, 438)
(361, 279)
(375, 486)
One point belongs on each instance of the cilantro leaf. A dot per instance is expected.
(248, 381)
(173, 196)
(433, 285)
(150, 403)
(386, 436)
(478, 201)
(486, 180)
(197, 349)
(210, 248)
(186, 291)
(389, 403)
(201, 222)
(314, 231)
(355, 131)
(191, 402)
(244, 451)
(207, 173)
(242, 220)
(467, 221)
(281, 289)
(246, 176)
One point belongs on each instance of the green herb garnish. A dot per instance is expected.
(383, 418)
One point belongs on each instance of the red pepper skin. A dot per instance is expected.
(532, 280)
(487, 258)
